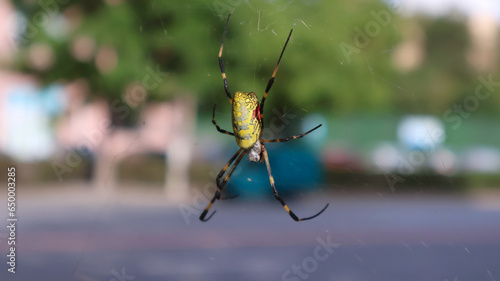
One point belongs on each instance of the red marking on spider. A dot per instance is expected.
(256, 113)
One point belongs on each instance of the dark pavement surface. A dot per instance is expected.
(377, 237)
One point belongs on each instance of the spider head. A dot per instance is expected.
(254, 152)
(246, 98)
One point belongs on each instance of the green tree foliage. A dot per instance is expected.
(338, 59)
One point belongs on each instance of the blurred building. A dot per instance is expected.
(483, 32)
(482, 23)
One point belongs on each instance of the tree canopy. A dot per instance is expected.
(339, 59)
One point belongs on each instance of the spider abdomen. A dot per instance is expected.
(246, 120)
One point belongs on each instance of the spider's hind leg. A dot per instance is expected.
(276, 195)
(221, 185)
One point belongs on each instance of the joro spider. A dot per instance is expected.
(247, 120)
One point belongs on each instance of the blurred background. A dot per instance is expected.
(105, 112)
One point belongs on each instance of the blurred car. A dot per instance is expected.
(295, 170)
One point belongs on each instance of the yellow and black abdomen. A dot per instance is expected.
(246, 119)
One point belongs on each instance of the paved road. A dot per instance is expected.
(379, 237)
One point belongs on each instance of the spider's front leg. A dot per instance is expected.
(217, 126)
(221, 64)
